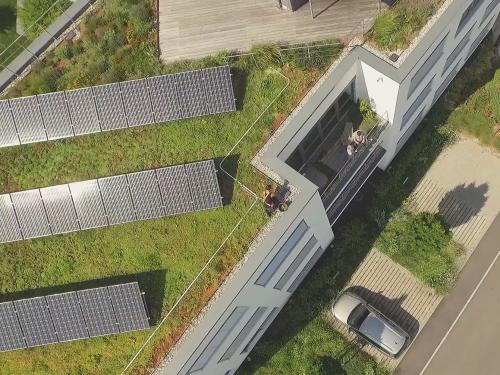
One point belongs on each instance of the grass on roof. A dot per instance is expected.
(167, 253)
(396, 27)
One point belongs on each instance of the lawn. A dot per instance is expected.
(167, 253)
(301, 340)
(396, 27)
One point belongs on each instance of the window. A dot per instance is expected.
(219, 338)
(410, 130)
(295, 160)
(421, 74)
(252, 322)
(312, 140)
(489, 9)
(478, 40)
(445, 83)
(266, 323)
(468, 13)
(458, 49)
(418, 101)
(308, 267)
(282, 254)
(296, 263)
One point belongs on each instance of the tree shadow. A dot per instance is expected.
(390, 307)
(240, 78)
(329, 366)
(462, 203)
(7, 18)
(226, 183)
(152, 283)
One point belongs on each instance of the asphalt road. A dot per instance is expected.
(463, 335)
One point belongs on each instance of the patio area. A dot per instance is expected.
(190, 29)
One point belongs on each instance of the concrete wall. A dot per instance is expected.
(243, 309)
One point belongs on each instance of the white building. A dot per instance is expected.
(402, 92)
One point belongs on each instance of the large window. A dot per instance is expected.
(478, 40)
(296, 263)
(282, 254)
(416, 104)
(458, 49)
(308, 267)
(266, 323)
(426, 67)
(218, 339)
(468, 13)
(252, 322)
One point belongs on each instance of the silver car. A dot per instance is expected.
(370, 324)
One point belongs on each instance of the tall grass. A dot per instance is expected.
(396, 27)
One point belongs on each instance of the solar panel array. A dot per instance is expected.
(115, 106)
(109, 201)
(71, 316)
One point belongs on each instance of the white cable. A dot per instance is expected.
(245, 188)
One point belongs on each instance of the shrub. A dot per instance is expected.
(396, 27)
(423, 244)
(265, 55)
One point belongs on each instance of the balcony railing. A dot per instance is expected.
(355, 164)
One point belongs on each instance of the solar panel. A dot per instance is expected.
(98, 311)
(174, 190)
(9, 228)
(115, 106)
(164, 98)
(219, 89)
(11, 336)
(137, 104)
(129, 307)
(71, 316)
(83, 111)
(145, 195)
(31, 213)
(35, 320)
(28, 119)
(88, 204)
(60, 210)
(117, 199)
(191, 93)
(55, 115)
(67, 316)
(204, 186)
(8, 132)
(110, 107)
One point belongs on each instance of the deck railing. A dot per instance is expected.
(335, 187)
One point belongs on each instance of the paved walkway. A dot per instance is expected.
(463, 188)
(460, 186)
(189, 28)
(395, 292)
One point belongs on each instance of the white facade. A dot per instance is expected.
(402, 93)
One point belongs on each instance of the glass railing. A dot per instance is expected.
(335, 187)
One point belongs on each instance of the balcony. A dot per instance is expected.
(353, 172)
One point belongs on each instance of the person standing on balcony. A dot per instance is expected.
(359, 138)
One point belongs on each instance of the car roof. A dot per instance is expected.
(380, 331)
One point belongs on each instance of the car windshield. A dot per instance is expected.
(357, 316)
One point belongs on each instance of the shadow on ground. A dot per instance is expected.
(462, 203)
(152, 283)
(226, 183)
(390, 307)
(7, 18)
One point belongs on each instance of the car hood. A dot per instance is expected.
(382, 332)
(344, 306)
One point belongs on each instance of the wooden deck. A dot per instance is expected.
(189, 28)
